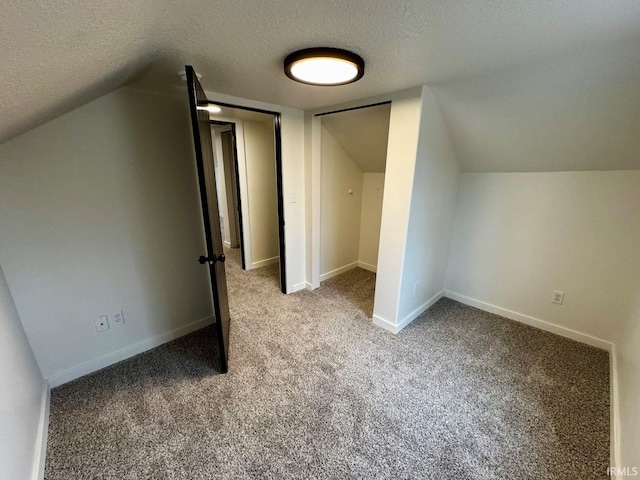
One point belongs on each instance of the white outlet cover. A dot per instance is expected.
(558, 297)
(117, 319)
(102, 323)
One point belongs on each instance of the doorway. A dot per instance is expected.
(211, 176)
(248, 171)
(353, 162)
(226, 167)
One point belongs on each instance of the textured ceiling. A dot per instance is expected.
(363, 134)
(59, 54)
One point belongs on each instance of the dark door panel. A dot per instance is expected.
(214, 258)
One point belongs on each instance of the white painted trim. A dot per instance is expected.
(363, 102)
(298, 286)
(238, 101)
(386, 324)
(309, 286)
(226, 244)
(314, 196)
(264, 263)
(242, 184)
(368, 266)
(43, 433)
(94, 365)
(338, 271)
(615, 412)
(420, 310)
(244, 193)
(221, 184)
(532, 321)
(395, 328)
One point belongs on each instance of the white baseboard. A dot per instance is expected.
(43, 433)
(420, 310)
(338, 271)
(386, 324)
(368, 266)
(61, 378)
(264, 263)
(226, 244)
(395, 328)
(532, 321)
(299, 286)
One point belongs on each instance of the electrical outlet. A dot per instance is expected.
(416, 287)
(102, 323)
(558, 297)
(117, 318)
(294, 197)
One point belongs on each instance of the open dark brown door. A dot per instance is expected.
(214, 258)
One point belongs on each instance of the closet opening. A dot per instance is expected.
(353, 163)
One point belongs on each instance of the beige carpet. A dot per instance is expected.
(314, 390)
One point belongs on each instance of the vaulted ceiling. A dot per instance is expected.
(523, 85)
(363, 134)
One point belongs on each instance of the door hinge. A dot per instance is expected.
(212, 260)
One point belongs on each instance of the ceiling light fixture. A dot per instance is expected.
(210, 108)
(324, 66)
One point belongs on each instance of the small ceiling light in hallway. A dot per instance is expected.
(209, 107)
(324, 66)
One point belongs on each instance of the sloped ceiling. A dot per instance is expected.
(578, 112)
(363, 134)
(59, 54)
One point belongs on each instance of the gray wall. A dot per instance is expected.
(21, 395)
(99, 211)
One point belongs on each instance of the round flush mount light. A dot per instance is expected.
(324, 66)
(209, 107)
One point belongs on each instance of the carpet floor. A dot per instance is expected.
(314, 390)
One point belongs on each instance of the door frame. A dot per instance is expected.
(223, 188)
(233, 174)
(316, 175)
(244, 250)
(277, 130)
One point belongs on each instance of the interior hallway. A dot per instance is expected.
(314, 390)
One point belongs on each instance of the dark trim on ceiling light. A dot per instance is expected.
(338, 53)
